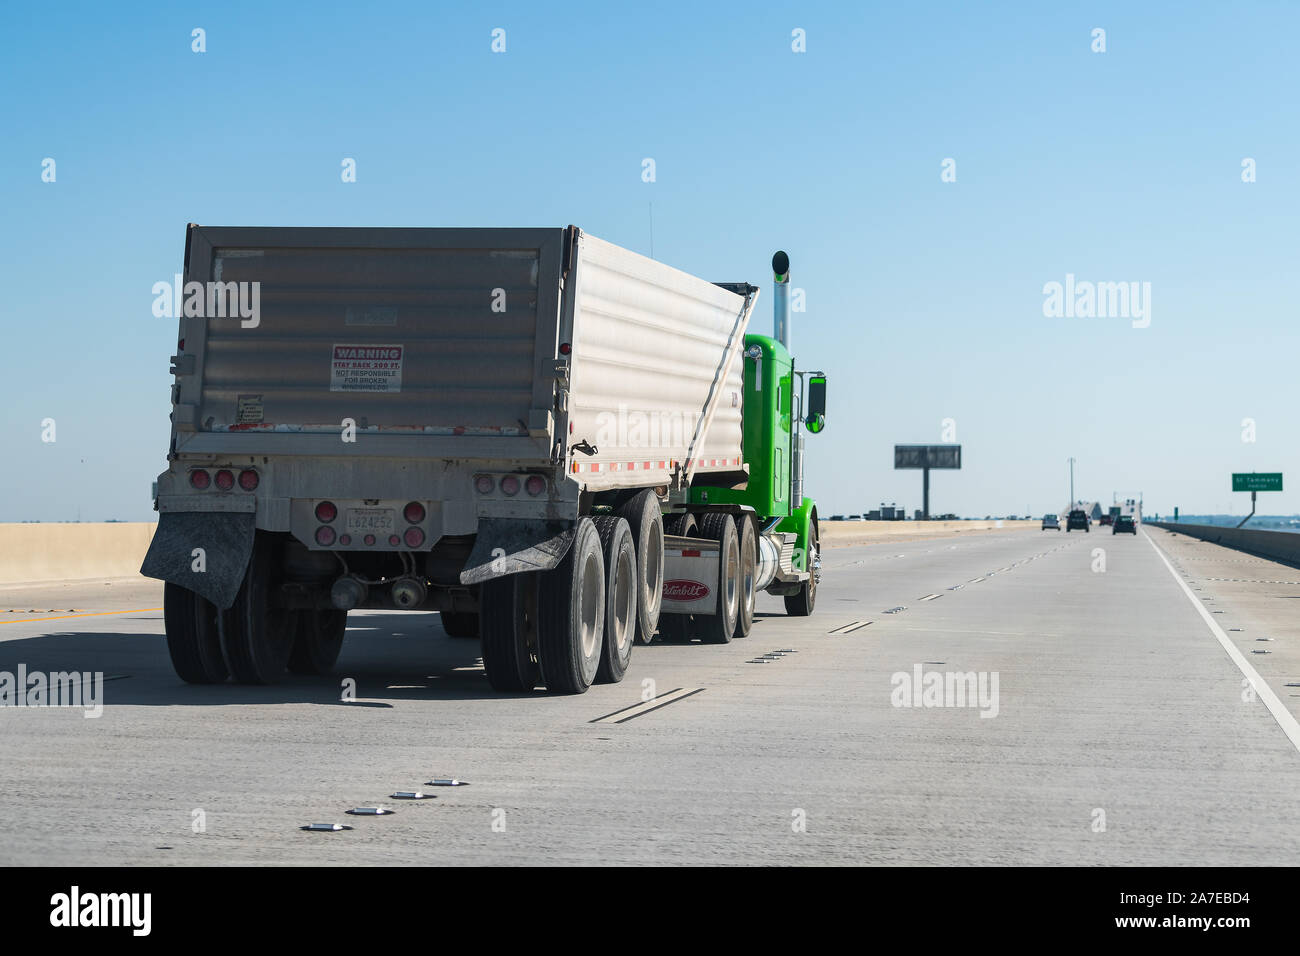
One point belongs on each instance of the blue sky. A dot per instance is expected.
(924, 297)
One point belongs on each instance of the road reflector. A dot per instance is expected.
(325, 827)
(445, 782)
(369, 811)
(412, 795)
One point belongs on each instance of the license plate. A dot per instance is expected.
(370, 520)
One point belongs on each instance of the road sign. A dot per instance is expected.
(1257, 481)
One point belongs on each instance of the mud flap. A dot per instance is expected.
(507, 546)
(227, 542)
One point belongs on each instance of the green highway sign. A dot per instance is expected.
(1257, 481)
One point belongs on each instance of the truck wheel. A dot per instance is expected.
(622, 589)
(256, 636)
(748, 569)
(646, 520)
(507, 623)
(802, 602)
(459, 623)
(721, 625)
(192, 638)
(318, 640)
(682, 524)
(572, 619)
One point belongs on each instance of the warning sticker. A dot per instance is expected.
(366, 368)
(249, 410)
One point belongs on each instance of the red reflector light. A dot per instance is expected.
(345, 539)
(325, 535)
(413, 513)
(326, 512)
(510, 485)
(565, 348)
(248, 479)
(394, 540)
(535, 484)
(370, 538)
(200, 479)
(225, 480)
(484, 484)
(414, 537)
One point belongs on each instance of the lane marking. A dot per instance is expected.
(1275, 706)
(64, 617)
(646, 706)
(930, 597)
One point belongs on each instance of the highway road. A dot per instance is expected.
(1122, 731)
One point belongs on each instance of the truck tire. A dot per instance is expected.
(623, 586)
(802, 602)
(646, 520)
(719, 627)
(507, 623)
(459, 623)
(256, 636)
(192, 638)
(748, 570)
(318, 640)
(677, 628)
(571, 623)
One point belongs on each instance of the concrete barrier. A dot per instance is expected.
(36, 552)
(1281, 546)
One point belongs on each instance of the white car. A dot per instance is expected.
(1051, 521)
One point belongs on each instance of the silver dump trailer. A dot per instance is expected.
(489, 423)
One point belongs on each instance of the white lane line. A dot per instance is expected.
(929, 597)
(1275, 706)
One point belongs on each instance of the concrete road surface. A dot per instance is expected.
(1115, 727)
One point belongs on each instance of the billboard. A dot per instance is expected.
(927, 456)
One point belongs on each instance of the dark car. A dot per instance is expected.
(1077, 519)
(1105, 520)
(1124, 523)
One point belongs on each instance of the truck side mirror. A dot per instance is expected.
(816, 419)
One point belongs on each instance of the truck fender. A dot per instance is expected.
(801, 521)
(507, 546)
(204, 551)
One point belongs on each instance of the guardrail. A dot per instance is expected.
(1275, 545)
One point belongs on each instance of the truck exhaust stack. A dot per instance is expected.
(781, 298)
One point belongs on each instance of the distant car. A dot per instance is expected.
(1105, 520)
(837, 517)
(1077, 519)
(1052, 522)
(1124, 523)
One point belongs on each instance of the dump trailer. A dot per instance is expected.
(562, 446)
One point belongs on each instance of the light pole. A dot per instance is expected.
(1071, 508)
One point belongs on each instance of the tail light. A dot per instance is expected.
(370, 539)
(510, 485)
(345, 539)
(484, 484)
(413, 513)
(225, 480)
(200, 479)
(394, 540)
(248, 479)
(326, 512)
(325, 535)
(414, 537)
(535, 484)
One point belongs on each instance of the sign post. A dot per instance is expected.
(926, 457)
(1255, 482)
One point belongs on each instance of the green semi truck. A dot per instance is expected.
(560, 445)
